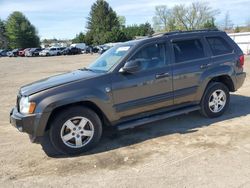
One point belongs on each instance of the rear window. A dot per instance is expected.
(219, 46)
(187, 50)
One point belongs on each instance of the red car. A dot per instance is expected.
(21, 53)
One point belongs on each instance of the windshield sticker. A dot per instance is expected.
(123, 49)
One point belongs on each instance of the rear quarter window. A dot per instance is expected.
(186, 50)
(219, 46)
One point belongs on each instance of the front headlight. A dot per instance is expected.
(26, 107)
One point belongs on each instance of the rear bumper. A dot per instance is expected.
(24, 123)
(240, 78)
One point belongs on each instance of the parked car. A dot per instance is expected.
(22, 52)
(3, 53)
(91, 49)
(81, 46)
(103, 49)
(50, 51)
(33, 52)
(71, 51)
(13, 53)
(132, 84)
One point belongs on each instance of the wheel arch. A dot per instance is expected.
(89, 104)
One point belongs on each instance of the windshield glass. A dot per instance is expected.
(109, 59)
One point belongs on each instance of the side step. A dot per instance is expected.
(133, 124)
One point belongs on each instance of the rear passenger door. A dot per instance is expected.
(222, 51)
(190, 61)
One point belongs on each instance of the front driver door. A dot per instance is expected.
(148, 89)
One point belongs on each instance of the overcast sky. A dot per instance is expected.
(64, 18)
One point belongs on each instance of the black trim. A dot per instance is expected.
(185, 91)
(157, 117)
(143, 102)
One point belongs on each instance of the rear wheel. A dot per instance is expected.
(215, 100)
(75, 130)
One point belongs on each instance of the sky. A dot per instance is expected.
(63, 19)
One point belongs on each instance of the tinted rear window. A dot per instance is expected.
(186, 50)
(219, 46)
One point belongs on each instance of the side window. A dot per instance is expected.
(219, 46)
(151, 56)
(186, 50)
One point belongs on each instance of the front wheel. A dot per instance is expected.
(215, 100)
(75, 130)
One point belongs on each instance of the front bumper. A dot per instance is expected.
(24, 123)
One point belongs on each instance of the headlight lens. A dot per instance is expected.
(25, 106)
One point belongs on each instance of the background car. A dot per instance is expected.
(3, 53)
(13, 53)
(33, 52)
(21, 53)
(103, 48)
(71, 51)
(50, 51)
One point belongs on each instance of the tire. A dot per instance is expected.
(81, 125)
(215, 100)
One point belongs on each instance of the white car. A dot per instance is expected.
(50, 51)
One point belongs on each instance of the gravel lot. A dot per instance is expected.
(184, 151)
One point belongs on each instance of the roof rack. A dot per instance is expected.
(179, 31)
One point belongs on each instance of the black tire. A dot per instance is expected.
(211, 88)
(54, 134)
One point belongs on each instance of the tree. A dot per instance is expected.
(210, 24)
(3, 37)
(228, 24)
(122, 21)
(21, 33)
(161, 18)
(102, 22)
(138, 30)
(182, 17)
(193, 16)
(80, 38)
(237, 29)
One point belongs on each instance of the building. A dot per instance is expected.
(243, 40)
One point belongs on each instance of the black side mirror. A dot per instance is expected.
(131, 66)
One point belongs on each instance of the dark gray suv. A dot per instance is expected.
(131, 84)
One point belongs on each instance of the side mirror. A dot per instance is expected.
(131, 66)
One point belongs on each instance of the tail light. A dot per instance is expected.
(241, 61)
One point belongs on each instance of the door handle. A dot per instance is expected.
(162, 75)
(205, 66)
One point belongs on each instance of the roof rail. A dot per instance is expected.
(190, 31)
(179, 31)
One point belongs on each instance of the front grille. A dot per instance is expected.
(18, 101)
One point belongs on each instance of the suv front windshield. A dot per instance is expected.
(110, 58)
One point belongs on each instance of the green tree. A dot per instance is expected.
(209, 24)
(138, 30)
(237, 29)
(102, 21)
(21, 33)
(122, 21)
(3, 37)
(80, 38)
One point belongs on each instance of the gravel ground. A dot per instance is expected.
(184, 151)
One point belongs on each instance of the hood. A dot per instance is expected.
(57, 80)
